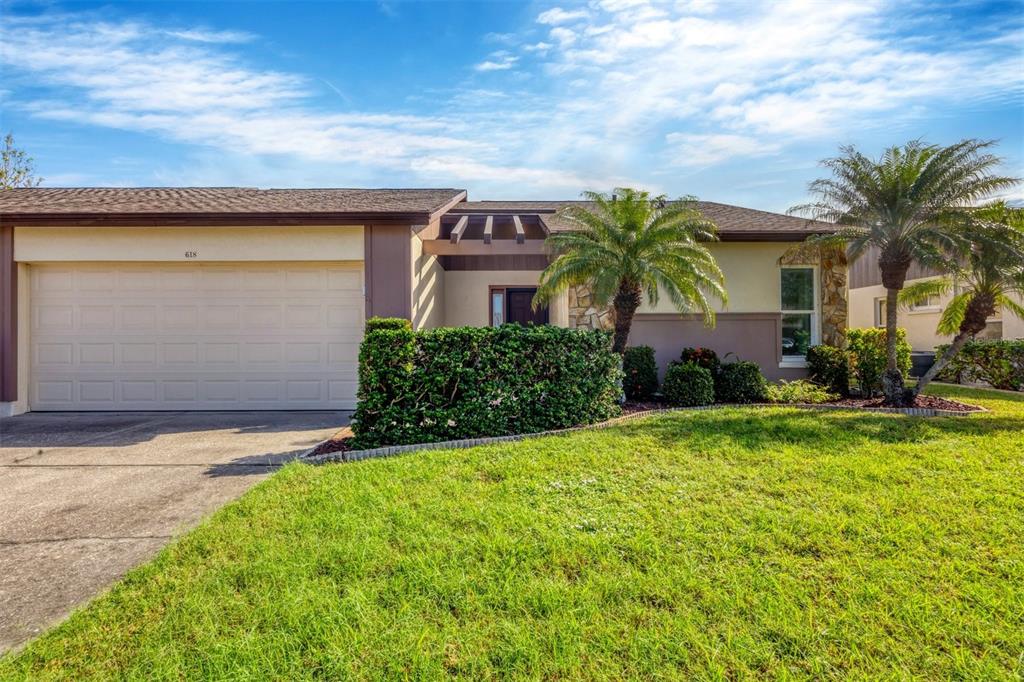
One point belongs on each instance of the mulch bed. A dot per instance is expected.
(339, 442)
(925, 401)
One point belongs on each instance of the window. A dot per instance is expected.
(929, 305)
(497, 307)
(799, 312)
(879, 312)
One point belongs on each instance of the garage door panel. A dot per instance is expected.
(195, 336)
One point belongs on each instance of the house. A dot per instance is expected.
(867, 307)
(236, 298)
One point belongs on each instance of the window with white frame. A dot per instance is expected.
(799, 312)
(928, 305)
(880, 312)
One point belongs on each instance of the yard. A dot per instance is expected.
(721, 544)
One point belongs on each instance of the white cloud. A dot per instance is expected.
(699, 149)
(538, 47)
(563, 36)
(223, 37)
(557, 15)
(499, 61)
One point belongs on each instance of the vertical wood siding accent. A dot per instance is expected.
(388, 271)
(864, 271)
(8, 316)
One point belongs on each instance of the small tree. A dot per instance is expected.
(987, 273)
(629, 244)
(910, 204)
(16, 167)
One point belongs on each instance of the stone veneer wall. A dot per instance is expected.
(583, 314)
(832, 272)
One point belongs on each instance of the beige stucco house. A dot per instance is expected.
(234, 298)
(867, 308)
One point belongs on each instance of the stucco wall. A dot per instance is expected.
(466, 301)
(427, 288)
(305, 243)
(751, 277)
(920, 325)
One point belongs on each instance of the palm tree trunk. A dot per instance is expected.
(979, 309)
(893, 267)
(626, 301)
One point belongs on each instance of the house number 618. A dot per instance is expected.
(190, 254)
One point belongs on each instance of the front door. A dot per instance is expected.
(519, 308)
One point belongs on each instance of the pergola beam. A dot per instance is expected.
(520, 232)
(488, 229)
(459, 229)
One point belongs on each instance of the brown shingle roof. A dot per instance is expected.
(732, 221)
(101, 201)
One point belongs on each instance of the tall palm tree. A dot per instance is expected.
(628, 244)
(983, 277)
(909, 204)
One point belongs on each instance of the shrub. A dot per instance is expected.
(472, 382)
(687, 384)
(641, 373)
(829, 367)
(998, 363)
(799, 391)
(867, 357)
(392, 323)
(704, 357)
(740, 382)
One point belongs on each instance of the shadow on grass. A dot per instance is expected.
(768, 427)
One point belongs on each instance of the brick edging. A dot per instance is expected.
(388, 451)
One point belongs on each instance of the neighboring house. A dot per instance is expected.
(233, 298)
(867, 307)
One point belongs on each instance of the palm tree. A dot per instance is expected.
(909, 204)
(985, 275)
(628, 244)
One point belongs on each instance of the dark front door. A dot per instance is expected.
(519, 309)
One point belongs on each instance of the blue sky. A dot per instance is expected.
(730, 101)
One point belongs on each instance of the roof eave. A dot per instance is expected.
(237, 218)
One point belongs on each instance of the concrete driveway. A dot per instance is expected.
(86, 496)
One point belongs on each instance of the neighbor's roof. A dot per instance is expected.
(732, 221)
(224, 201)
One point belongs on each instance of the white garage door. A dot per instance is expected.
(155, 336)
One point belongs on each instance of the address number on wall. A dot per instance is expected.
(191, 254)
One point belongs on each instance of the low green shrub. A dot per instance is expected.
(867, 357)
(704, 357)
(640, 380)
(800, 392)
(473, 382)
(740, 382)
(687, 384)
(998, 363)
(829, 367)
(392, 323)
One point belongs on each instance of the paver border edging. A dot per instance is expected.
(390, 450)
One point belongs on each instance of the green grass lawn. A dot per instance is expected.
(774, 543)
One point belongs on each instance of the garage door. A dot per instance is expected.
(153, 336)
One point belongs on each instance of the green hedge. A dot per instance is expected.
(687, 384)
(641, 373)
(473, 382)
(997, 363)
(867, 355)
(740, 382)
(829, 367)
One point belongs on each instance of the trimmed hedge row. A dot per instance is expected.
(471, 382)
(998, 363)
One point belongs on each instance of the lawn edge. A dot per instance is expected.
(391, 450)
